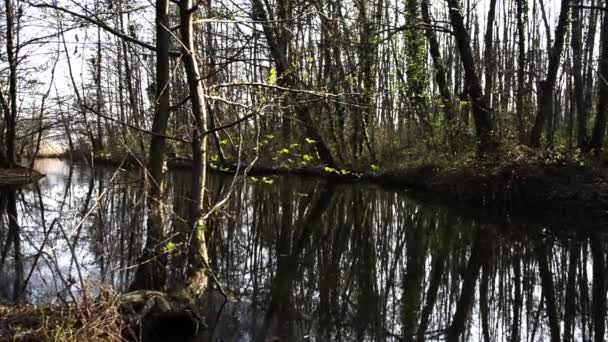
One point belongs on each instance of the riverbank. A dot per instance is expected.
(519, 186)
(89, 320)
(524, 184)
(17, 176)
(148, 316)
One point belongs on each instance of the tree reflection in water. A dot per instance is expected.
(304, 260)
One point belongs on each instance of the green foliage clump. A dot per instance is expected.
(295, 155)
(557, 155)
(263, 180)
(441, 157)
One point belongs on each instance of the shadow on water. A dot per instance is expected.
(303, 260)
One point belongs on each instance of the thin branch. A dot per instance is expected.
(601, 8)
(99, 23)
(273, 86)
(232, 124)
(139, 129)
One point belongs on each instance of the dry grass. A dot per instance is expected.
(89, 320)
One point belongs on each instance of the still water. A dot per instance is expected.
(304, 260)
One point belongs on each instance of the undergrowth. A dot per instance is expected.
(90, 319)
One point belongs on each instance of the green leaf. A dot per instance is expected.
(267, 180)
(272, 76)
(308, 157)
(330, 170)
(169, 247)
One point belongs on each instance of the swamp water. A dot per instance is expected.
(304, 260)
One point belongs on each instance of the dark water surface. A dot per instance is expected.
(303, 260)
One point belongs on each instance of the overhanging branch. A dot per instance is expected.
(99, 23)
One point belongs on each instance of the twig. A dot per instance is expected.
(40, 252)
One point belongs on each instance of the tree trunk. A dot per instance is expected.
(521, 109)
(440, 69)
(11, 55)
(599, 130)
(277, 45)
(488, 53)
(196, 280)
(546, 87)
(98, 95)
(486, 139)
(151, 273)
(577, 69)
